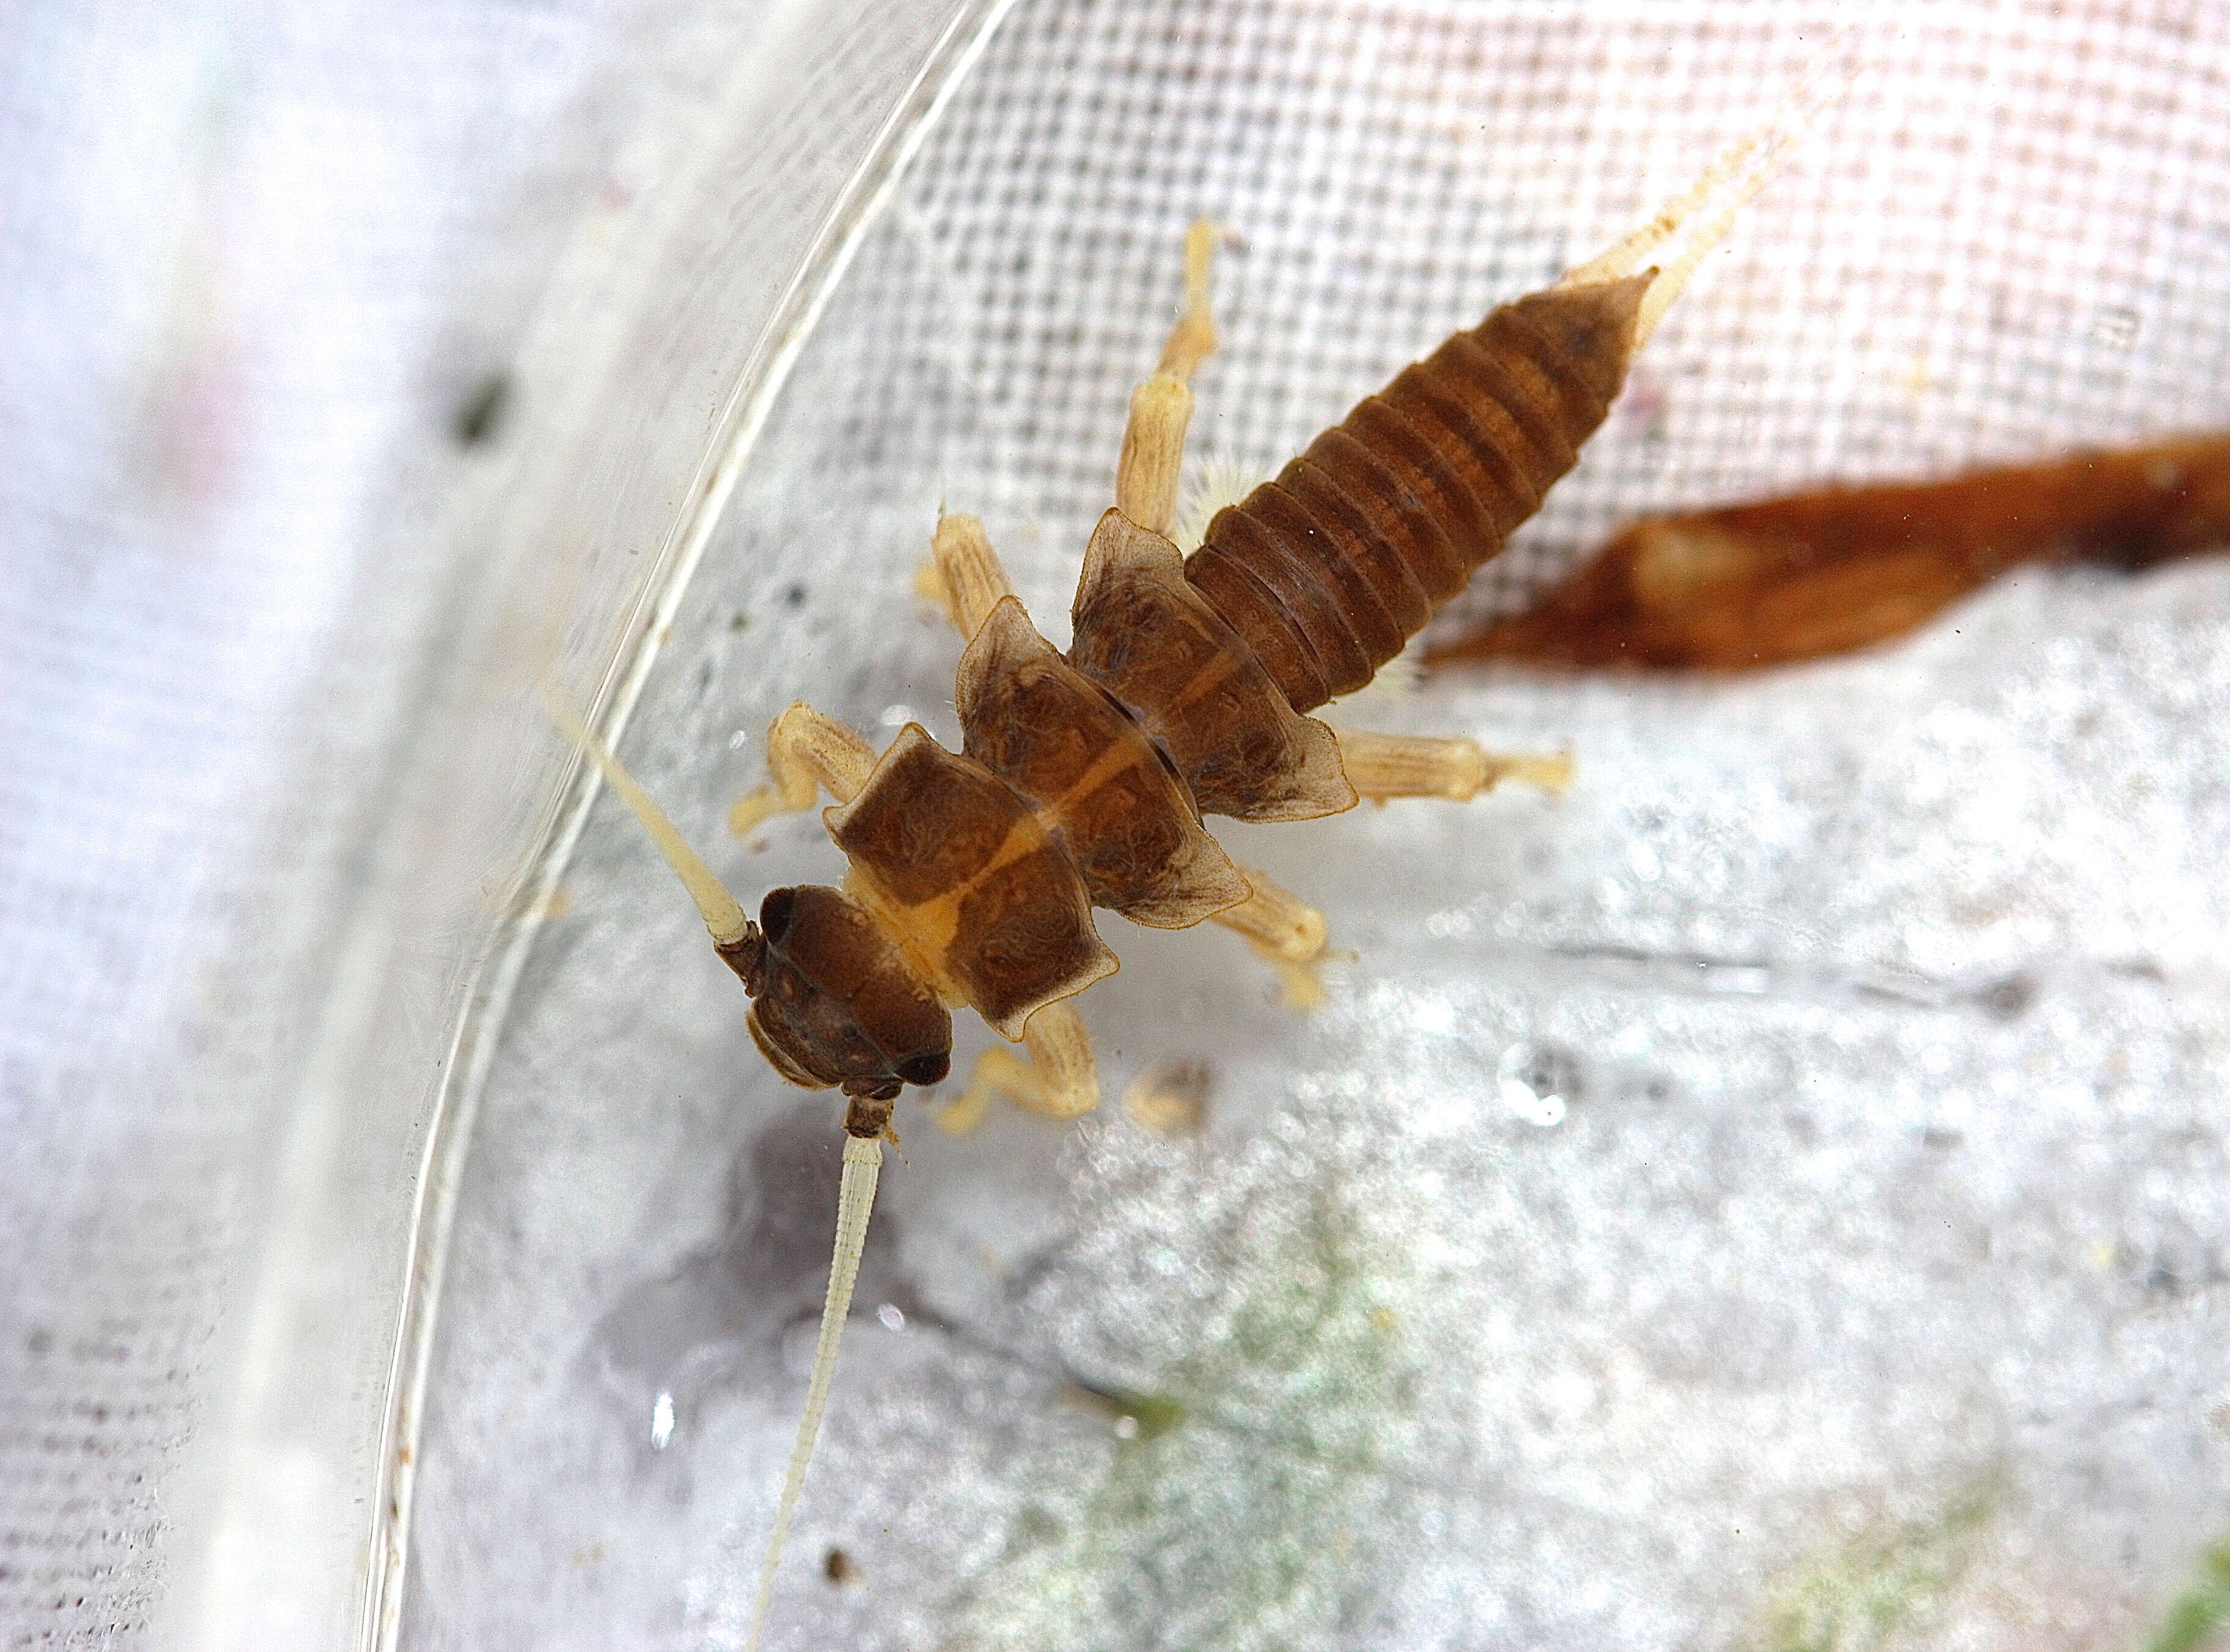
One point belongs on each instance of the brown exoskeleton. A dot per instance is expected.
(1083, 778)
(1782, 579)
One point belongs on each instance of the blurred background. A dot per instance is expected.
(1771, 1197)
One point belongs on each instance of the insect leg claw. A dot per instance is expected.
(1059, 1079)
(805, 752)
(1286, 932)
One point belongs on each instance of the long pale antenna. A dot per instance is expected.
(1742, 173)
(863, 1155)
(722, 912)
(855, 1200)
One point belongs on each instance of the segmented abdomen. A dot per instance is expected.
(1327, 571)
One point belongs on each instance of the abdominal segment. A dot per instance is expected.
(1084, 778)
(1161, 650)
(1328, 570)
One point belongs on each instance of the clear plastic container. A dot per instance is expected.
(1769, 1197)
(630, 411)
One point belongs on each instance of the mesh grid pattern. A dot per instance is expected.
(230, 263)
(1821, 1238)
(1999, 243)
(2012, 235)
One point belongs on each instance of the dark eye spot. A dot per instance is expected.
(925, 1069)
(776, 912)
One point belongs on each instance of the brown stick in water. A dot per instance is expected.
(1841, 567)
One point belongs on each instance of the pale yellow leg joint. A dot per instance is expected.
(963, 575)
(807, 753)
(1059, 1078)
(1394, 765)
(1193, 339)
(1287, 932)
(1147, 474)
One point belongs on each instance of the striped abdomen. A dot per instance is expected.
(1327, 571)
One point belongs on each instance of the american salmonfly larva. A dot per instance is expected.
(1082, 778)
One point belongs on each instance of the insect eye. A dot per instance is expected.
(775, 913)
(925, 1069)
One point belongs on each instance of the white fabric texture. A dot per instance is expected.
(2022, 198)
(253, 263)
(1859, 1274)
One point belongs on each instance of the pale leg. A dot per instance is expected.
(1380, 766)
(1161, 408)
(963, 575)
(1059, 1079)
(1286, 931)
(805, 752)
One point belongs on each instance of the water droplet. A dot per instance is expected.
(739, 740)
(892, 1317)
(662, 1421)
(1126, 1428)
(1538, 1083)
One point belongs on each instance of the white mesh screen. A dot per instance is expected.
(1864, 1255)
(1999, 244)
(1883, 1247)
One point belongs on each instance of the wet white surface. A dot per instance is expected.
(1874, 1259)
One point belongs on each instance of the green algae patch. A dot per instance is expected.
(2200, 1612)
(1860, 1593)
(1238, 1511)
